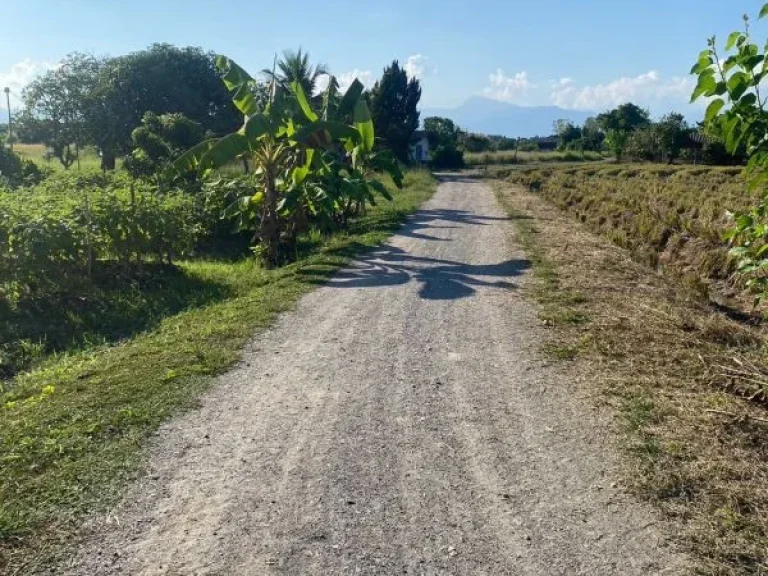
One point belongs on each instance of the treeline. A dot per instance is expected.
(119, 105)
(628, 133)
(472, 142)
(99, 101)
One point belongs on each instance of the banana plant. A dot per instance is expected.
(305, 165)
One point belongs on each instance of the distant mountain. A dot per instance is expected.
(488, 116)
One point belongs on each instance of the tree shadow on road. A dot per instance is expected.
(439, 279)
(428, 220)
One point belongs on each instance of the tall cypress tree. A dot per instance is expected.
(393, 107)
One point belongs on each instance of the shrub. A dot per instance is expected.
(16, 171)
(446, 157)
(55, 232)
(443, 135)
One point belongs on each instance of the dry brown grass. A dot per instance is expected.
(685, 381)
(668, 216)
(505, 157)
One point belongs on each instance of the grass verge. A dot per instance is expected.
(72, 430)
(675, 372)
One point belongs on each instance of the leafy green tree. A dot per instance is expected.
(619, 123)
(732, 81)
(443, 136)
(57, 103)
(672, 135)
(394, 101)
(476, 142)
(296, 67)
(161, 79)
(28, 128)
(643, 144)
(160, 139)
(592, 135)
(568, 134)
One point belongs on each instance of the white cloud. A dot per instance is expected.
(507, 88)
(417, 66)
(645, 89)
(21, 74)
(345, 80)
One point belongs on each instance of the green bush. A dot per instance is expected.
(54, 233)
(16, 171)
(446, 157)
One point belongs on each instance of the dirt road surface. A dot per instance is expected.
(400, 421)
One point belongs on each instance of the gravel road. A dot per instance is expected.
(400, 421)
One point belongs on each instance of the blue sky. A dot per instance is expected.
(576, 54)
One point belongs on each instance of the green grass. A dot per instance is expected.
(89, 158)
(510, 157)
(116, 302)
(558, 306)
(72, 430)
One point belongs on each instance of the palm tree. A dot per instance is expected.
(295, 66)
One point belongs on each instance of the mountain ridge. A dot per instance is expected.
(487, 116)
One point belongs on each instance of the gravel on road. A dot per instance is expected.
(400, 421)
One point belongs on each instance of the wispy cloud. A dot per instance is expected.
(508, 88)
(21, 74)
(647, 89)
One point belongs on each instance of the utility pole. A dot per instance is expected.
(8, 103)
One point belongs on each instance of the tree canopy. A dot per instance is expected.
(619, 123)
(99, 101)
(59, 105)
(444, 149)
(394, 100)
(296, 67)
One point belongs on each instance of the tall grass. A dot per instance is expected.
(510, 157)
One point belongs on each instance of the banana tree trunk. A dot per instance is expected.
(270, 225)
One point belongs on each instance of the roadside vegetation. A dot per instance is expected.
(669, 216)
(685, 380)
(140, 249)
(73, 426)
(521, 157)
(682, 362)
